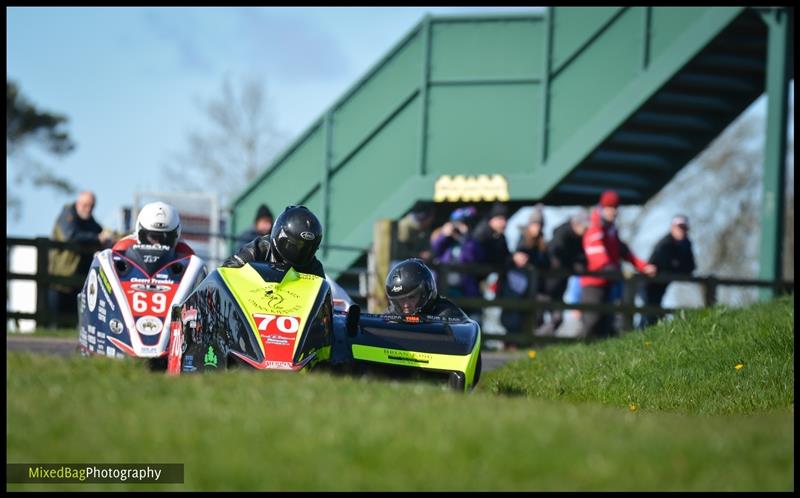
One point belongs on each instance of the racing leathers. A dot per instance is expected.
(260, 249)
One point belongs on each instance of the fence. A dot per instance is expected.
(528, 305)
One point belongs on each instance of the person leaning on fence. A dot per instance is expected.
(74, 224)
(604, 252)
(262, 225)
(565, 252)
(672, 254)
(531, 251)
(492, 250)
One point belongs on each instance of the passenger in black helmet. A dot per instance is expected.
(411, 290)
(294, 241)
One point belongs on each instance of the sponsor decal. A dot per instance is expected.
(106, 283)
(409, 356)
(149, 325)
(189, 315)
(210, 359)
(151, 287)
(188, 365)
(91, 290)
(115, 326)
(397, 288)
(308, 235)
(470, 188)
(279, 365)
(149, 349)
(268, 299)
(92, 339)
(150, 247)
(111, 352)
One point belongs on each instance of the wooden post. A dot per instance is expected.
(379, 260)
(629, 285)
(711, 292)
(42, 282)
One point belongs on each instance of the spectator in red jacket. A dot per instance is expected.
(604, 252)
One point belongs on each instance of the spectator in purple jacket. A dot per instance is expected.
(452, 243)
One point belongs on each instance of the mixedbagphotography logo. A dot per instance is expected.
(78, 473)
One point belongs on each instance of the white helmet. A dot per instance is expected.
(158, 223)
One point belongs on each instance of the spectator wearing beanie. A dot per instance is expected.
(604, 252)
(262, 225)
(672, 254)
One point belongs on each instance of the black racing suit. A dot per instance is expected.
(443, 307)
(260, 249)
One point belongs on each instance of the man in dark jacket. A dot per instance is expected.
(76, 224)
(672, 254)
(294, 241)
(262, 226)
(565, 252)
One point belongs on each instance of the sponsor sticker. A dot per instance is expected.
(91, 290)
(188, 315)
(115, 326)
(149, 349)
(106, 283)
(149, 325)
(279, 365)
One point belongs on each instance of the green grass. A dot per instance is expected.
(686, 365)
(245, 430)
(70, 333)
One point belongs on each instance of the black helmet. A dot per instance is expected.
(410, 287)
(296, 235)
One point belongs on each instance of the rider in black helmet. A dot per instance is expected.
(411, 290)
(294, 241)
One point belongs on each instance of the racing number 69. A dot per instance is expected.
(140, 303)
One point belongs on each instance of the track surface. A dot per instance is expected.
(68, 347)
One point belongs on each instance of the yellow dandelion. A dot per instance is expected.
(632, 407)
(531, 354)
(647, 344)
(739, 366)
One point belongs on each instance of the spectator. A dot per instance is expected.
(604, 252)
(76, 224)
(672, 254)
(414, 234)
(452, 243)
(565, 252)
(262, 226)
(492, 249)
(531, 251)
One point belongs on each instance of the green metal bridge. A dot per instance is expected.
(552, 107)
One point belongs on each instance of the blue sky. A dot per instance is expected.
(129, 80)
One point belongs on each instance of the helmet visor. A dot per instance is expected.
(155, 237)
(410, 303)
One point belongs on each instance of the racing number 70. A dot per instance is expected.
(141, 304)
